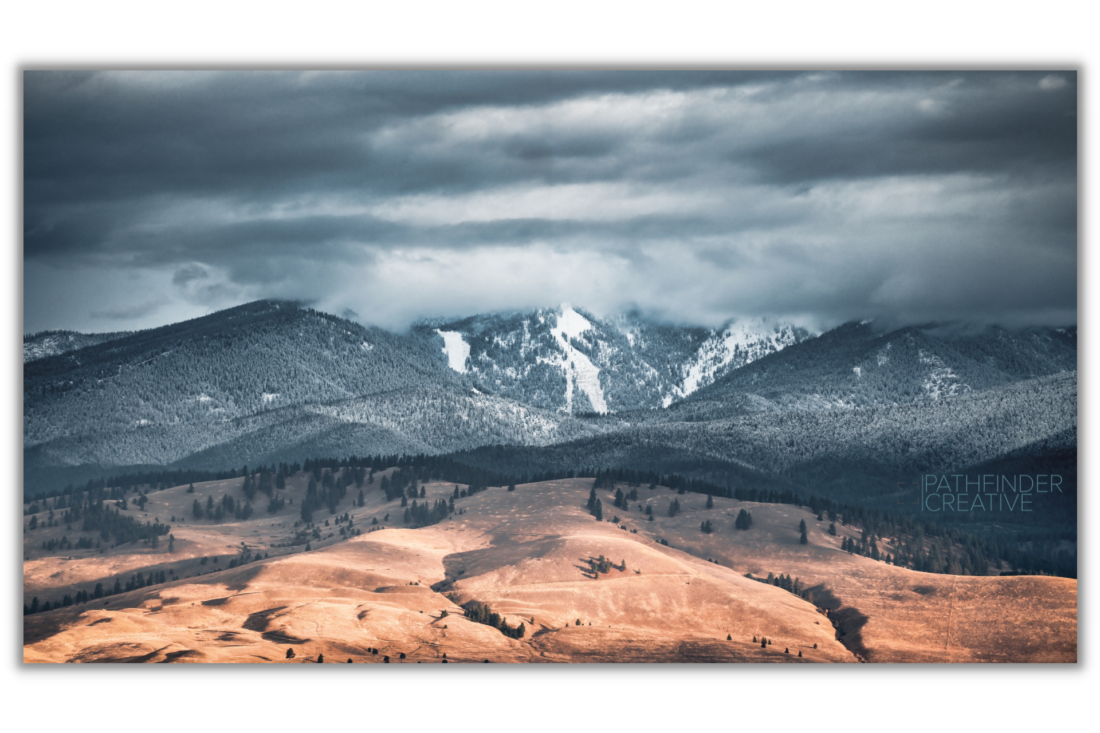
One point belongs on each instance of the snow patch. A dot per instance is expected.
(456, 349)
(942, 380)
(269, 396)
(858, 372)
(738, 344)
(580, 372)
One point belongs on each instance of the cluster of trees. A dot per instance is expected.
(482, 614)
(743, 521)
(595, 505)
(623, 500)
(421, 515)
(326, 489)
(111, 523)
(786, 583)
(673, 507)
(140, 580)
(136, 582)
(82, 543)
(217, 511)
(706, 527)
(604, 565)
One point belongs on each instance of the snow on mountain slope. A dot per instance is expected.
(736, 345)
(579, 369)
(569, 360)
(456, 349)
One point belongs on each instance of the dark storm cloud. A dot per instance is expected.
(696, 195)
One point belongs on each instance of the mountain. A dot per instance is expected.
(856, 453)
(567, 359)
(856, 365)
(754, 402)
(51, 343)
(157, 395)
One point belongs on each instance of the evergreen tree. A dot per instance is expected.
(599, 510)
(710, 501)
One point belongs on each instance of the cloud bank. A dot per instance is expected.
(152, 197)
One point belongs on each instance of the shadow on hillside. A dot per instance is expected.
(847, 621)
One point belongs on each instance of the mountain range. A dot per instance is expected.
(754, 400)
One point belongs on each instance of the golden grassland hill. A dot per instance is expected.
(400, 593)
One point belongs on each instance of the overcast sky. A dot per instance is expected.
(697, 197)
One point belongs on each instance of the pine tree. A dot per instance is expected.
(710, 501)
(599, 510)
(290, 654)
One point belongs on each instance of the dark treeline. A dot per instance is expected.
(786, 583)
(116, 487)
(482, 614)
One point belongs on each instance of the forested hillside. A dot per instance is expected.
(852, 453)
(51, 343)
(846, 411)
(856, 366)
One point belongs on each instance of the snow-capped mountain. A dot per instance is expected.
(272, 379)
(569, 360)
(856, 365)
